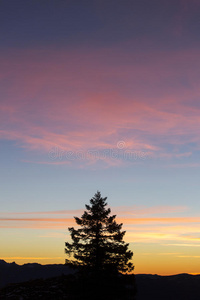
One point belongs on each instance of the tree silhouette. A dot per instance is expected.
(98, 244)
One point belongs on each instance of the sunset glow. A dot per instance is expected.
(101, 96)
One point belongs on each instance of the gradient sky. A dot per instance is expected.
(101, 95)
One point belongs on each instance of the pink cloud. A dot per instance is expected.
(38, 223)
(10, 220)
(91, 100)
(66, 212)
(119, 210)
(144, 210)
(64, 223)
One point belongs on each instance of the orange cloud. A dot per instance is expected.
(119, 210)
(38, 223)
(59, 222)
(141, 233)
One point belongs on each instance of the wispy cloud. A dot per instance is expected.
(182, 244)
(56, 105)
(119, 210)
(148, 226)
(144, 210)
(160, 220)
(57, 212)
(125, 221)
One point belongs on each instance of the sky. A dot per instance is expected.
(101, 95)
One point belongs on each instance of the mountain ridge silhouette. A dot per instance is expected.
(152, 287)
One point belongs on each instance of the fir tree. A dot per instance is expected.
(98, 244)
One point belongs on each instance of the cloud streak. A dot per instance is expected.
(80, 101)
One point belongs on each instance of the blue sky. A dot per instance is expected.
(101, 95)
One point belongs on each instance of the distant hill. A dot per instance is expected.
(13, 273)
(50, 280)
(175, 287)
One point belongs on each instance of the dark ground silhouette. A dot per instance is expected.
(73, 287)
(149, 287)
(175, 287)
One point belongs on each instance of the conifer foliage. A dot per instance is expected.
(98, 244)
